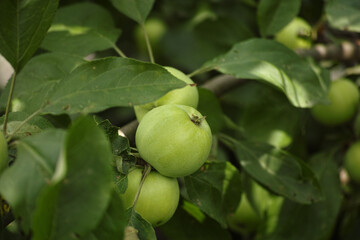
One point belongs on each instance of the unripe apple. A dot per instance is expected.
(187, 95)
(297, 34)
(352, 162)
(155, 29)
(344, 99)
(174, 139)
(158, 199)
(3, 153)
(245, 219)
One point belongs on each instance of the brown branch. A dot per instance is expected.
(345, 51)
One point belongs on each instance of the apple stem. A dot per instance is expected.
(145, 174)
(197, 120)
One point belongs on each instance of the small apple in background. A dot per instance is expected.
(3, 153)
(244, 219)
(344, 99)
(297, 34)
(352, 162)
(158, 199)
(156, 29)
(187, 95)
(174, 139)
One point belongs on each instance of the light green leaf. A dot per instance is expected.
(215, 189)
(110, 82)
(78, 194)
(273, 15)
(137, 10)
(37, 80)
(35, 164)
(35, 125)
(269, 61)
(344, 14)
(144, 228)
(23, 26)
(81, 28)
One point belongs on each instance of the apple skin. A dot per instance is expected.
(289, 35)
(171, 142)
(245, 219)
(155, 29)
(3, 153)
(158, 199)
(187, 95)
(352, 162)
(344, 97)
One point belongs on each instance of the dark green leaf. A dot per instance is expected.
(81, 23)
(273, 15)
(37, 80)
(119, 144)
(190, 223)
(146, 231)
(110, 82)
(215, 189)
(23, 26)
(209, 106)
(269, 61)
(112, 224)
(314, 221)
(137, 10)
(79, 192)
(278, 170)
(344, 14)
(34, 167)
(33, 126)
(269, 118)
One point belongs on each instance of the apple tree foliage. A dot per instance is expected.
(78, 72)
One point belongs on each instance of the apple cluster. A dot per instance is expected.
(343, 104)
(175, 139)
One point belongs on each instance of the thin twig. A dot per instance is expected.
(148, 45)
(9, 102)
(145, 174)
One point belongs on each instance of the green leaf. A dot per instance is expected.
(34, 167)
(209, 106)
(109, 82)
(273, 63)
(215, 189)
(35, 125)
(190, 223)
(314, 221)
(37, 80)
(112, 224)
(137, 10)
(77, 196)
(278, 170)
(81, 23)
(273, 15)
(269, 118)
(23, 26)
(146, 231)
(344, 14)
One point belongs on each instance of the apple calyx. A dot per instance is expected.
(196, 119)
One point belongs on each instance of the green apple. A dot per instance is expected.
(174, 139)
(244, 219)
(297, 34)
(3, 153)
(352, 162)
(155, 29)
(158, 199)
(187, 95)
(344, 99)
